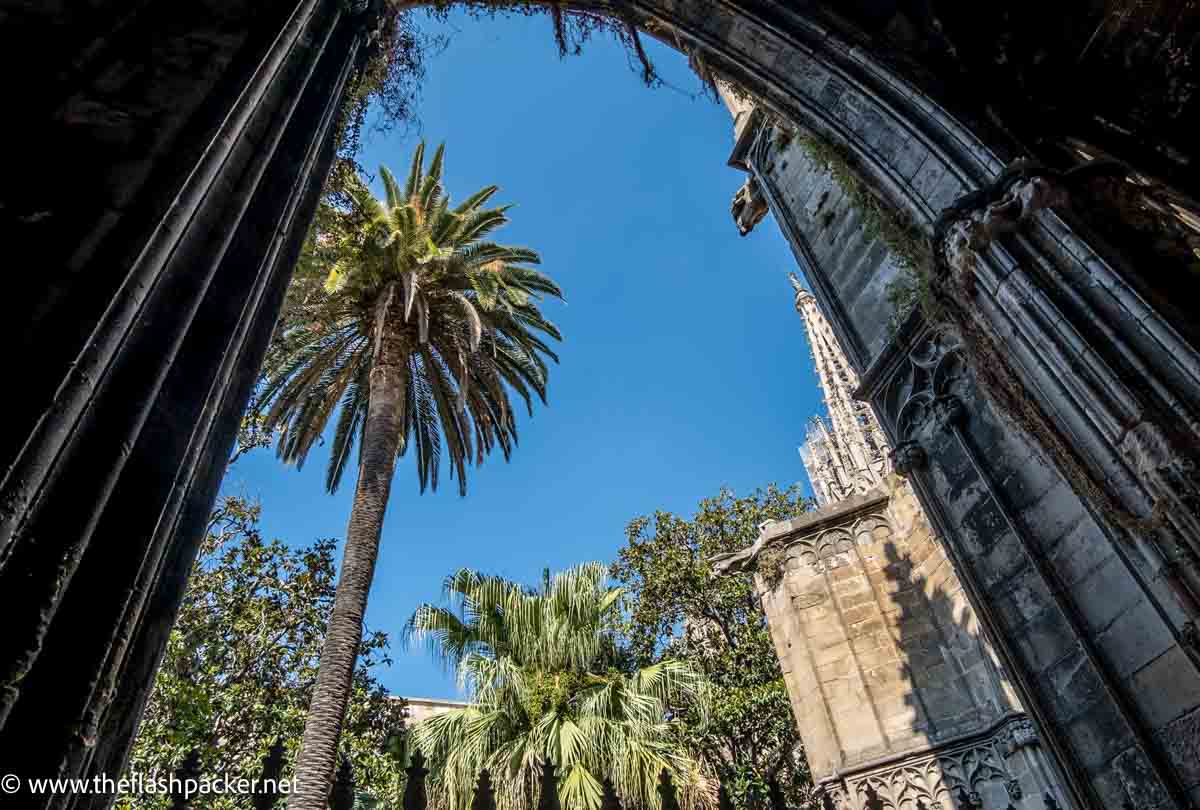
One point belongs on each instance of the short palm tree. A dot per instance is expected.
(416, 338)
(548, 684)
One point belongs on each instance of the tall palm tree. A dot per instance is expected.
(416, 338)
(548, 683)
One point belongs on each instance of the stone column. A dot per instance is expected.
(197, 159)
(897, 693)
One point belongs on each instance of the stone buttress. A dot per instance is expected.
(897, 693)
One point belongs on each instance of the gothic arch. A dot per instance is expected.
(198, 135)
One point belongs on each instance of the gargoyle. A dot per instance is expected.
(749, 206)
(735, 561)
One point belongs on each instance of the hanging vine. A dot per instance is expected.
(909, 247)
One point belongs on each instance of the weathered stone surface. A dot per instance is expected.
(1181, 740)
(126, 102)
(882, 653)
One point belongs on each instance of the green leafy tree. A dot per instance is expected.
(415, 339)
(548, 682)
(678, 609)
(241, 663)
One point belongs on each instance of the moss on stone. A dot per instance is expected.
(908, 247)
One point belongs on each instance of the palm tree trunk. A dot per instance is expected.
(317, 761)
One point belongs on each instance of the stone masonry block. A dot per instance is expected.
(1166, 688)
(945, 702)
(1138, 780)
(982, 524)
(1045, 639)
(947, 192)
(862, 613)
(1080, 551)
(1134, 639)
(1005, 559)
(915, 627)
(844, 572)
(803, 71)
(827, 655)
(863, 597)
(836, 669)
(931, 181)
(1024, 597)
(872, 657)
(887, 584)
(1105, 592)
(1072, 687)
(909, 158)
(1026, 479)
(869, 628)
(1181, 741)
(1109, 788)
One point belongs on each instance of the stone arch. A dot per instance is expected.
(197, 160)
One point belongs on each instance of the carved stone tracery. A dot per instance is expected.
(950, 780)
(923, 395)
(845, 453)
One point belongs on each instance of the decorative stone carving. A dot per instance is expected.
(976, 229)
(1017, 735)
(834, 797)
(947, 411)
(819, 551)
(734, 561)
(909, 456)
(1023, 189)
(844, 454)
(1158, 463)
(921, 396)
(749, 206)
(951, 778)
(967, 799)
(1149, 452)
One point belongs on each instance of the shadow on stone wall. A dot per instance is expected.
(899, 696)
(969, 745)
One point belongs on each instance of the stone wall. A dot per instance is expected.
(1094, 371)
(895, 689)
(1105, 668)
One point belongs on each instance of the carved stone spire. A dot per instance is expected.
(845, 453)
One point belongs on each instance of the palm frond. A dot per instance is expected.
(411, 271)
(415, 171)
(534, 662)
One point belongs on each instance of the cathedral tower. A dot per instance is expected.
(846, 453)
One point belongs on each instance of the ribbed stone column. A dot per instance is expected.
(218, 138)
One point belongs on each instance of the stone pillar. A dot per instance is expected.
(1054, 397)
(186, 148)
(897, 693)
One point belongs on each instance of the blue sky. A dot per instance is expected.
(684, 365)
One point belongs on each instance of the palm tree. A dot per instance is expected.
(415, 339)
(548, 683)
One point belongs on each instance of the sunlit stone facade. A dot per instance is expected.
(897, 693)
(846, 452)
